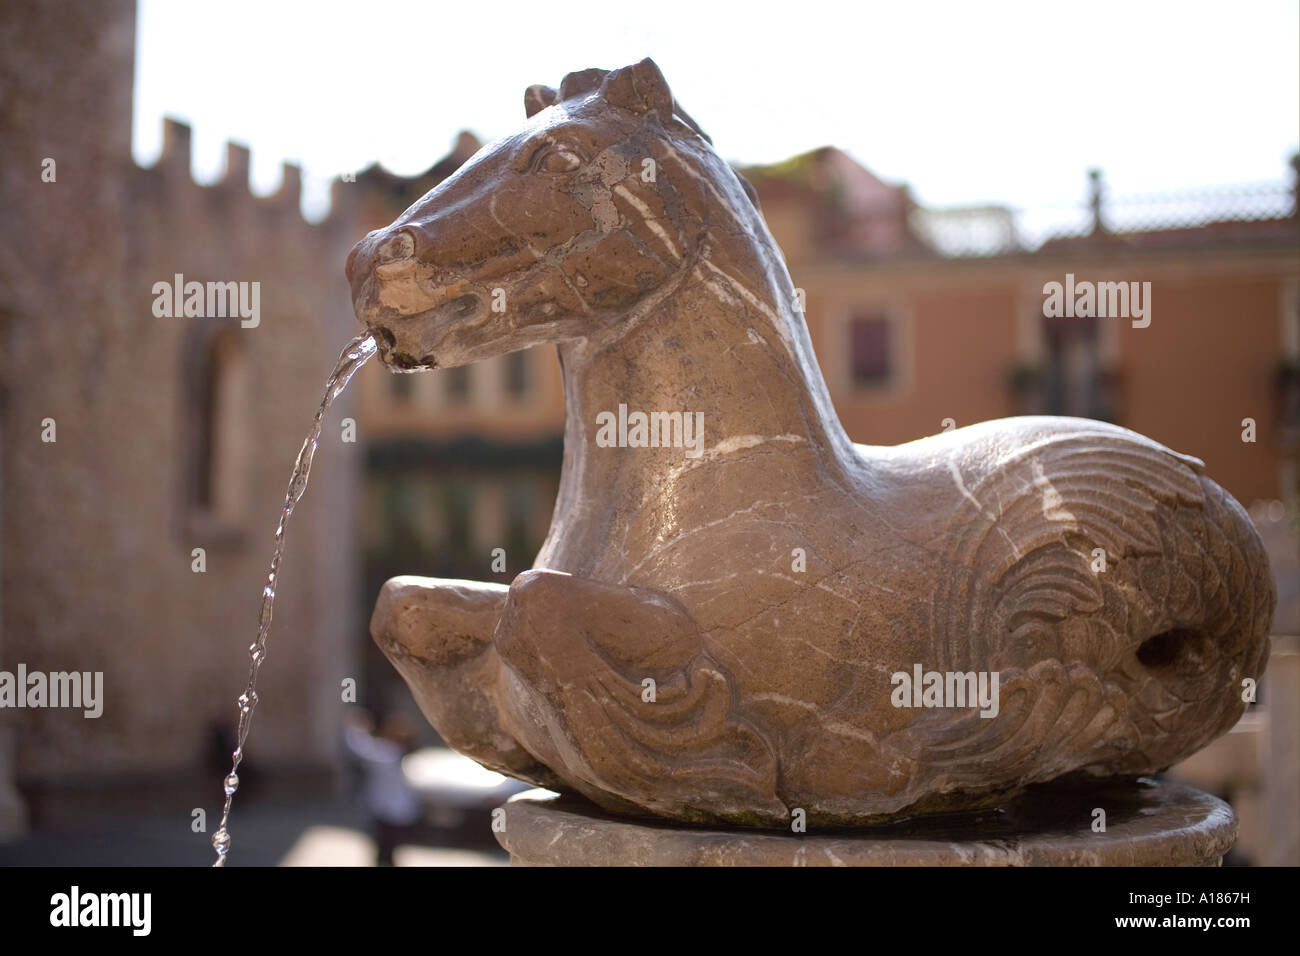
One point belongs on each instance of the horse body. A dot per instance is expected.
(716, 637)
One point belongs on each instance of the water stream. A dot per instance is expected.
(354, 355)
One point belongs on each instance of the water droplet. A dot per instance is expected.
(353, 357)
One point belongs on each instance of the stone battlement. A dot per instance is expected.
(170, 177)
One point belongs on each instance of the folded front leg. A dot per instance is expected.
(612, 687)
(438, 635)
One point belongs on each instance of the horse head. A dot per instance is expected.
(559, 231)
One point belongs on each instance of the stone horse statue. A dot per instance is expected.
(723, 637)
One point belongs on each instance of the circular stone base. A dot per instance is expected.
(1147, 823)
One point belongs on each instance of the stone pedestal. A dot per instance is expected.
(1147, 823)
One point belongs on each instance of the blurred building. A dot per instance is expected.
(171, 434)
(924, 315)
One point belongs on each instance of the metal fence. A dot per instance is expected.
(1002, 230)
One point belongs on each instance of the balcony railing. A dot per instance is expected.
(1003, 230)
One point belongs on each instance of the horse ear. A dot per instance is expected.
(750, 191)
(639, 88)
(536, 98)
(685, 118)
(581, 82)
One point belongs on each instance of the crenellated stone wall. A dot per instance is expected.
(100, 524)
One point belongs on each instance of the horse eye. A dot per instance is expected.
(560, 161)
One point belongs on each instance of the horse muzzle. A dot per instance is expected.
(414, 313)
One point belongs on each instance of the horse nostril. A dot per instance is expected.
(400, 246)
(465, 305)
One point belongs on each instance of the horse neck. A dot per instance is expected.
(725, 343)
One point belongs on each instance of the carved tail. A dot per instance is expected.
(1121, 594)
(1207, 634)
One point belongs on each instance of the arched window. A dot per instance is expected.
(222, 432)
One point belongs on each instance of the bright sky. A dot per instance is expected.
(995, 101)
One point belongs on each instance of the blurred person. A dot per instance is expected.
(393, 805)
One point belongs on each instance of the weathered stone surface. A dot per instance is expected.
(718, 625)
(1148, 823)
